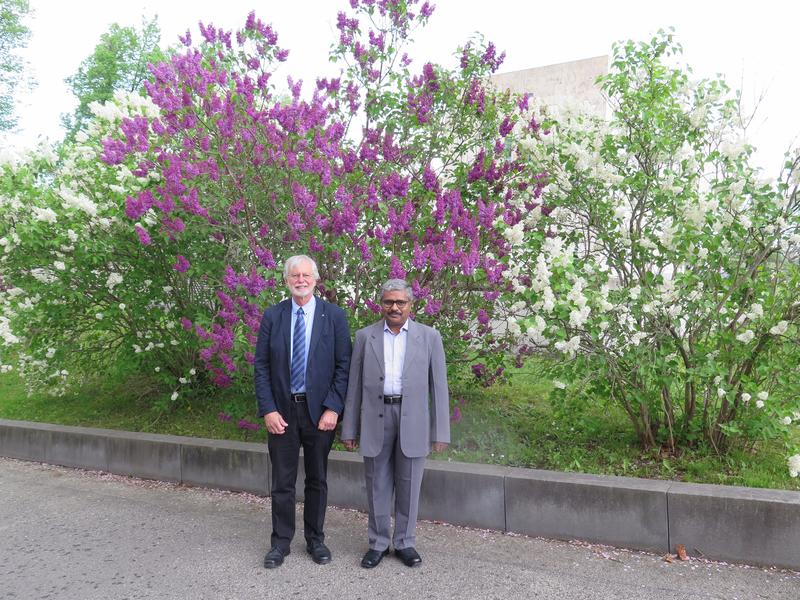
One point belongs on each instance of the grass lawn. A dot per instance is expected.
(516, 425)
(511, 424)
(125, 406)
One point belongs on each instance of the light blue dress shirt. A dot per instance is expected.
(308, 315)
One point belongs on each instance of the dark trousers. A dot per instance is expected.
(284, 453)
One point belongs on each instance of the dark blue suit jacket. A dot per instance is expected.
(328, 360)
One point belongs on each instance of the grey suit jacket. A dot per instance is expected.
(425, 411)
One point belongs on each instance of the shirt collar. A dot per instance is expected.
(308, 307)
(403, 328)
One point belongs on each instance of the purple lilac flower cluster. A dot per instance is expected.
(245, 178)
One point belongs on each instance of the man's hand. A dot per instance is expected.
(350, 444)
(275, 423)
(439, 446)
(328, 420)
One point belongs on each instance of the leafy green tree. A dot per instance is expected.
(118, 63)
(668, 277)
(13, 36)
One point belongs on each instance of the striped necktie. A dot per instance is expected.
(298, 376)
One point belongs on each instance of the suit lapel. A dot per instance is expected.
(285, 325)
(320, 319)
(376, 343)
(413, 346)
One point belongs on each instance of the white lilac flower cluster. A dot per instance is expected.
(182, 381)
(794, 465)
(6, 334)
(39, 374)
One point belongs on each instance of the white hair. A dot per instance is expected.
(293, 261)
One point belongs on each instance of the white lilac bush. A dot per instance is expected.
(667, 276)
(80, 293)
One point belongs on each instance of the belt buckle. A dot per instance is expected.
(296, 398)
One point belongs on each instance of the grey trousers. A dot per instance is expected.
(389, 474)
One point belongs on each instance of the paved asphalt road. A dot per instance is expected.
(72, 534)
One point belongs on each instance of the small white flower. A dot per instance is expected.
(174, 396)
(98, 316)
(746, 397)
(50, 352)
(746, 337)
(756, 311)
(113, 280)
(570, 347)
(794, 465)
(122, 306)
(192, 371)
(559, 384)
(759, 404)
(780, 328)
(158, 369)
(637, 338)
(721, 393)
(59, 266)
(786, 420)
(763, 395)
(47, 215)
(184, 381)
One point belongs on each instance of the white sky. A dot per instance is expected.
(752, 44)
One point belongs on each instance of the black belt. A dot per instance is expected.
(392, 398)
(299, 397)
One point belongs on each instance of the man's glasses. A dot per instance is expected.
(401, 304)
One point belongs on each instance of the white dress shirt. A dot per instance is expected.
(394, 354)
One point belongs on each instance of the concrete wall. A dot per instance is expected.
(728, 523)
(567, 85)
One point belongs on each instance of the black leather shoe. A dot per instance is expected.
(409, 556)
(319, 552)
(274, 557)
(373, 558)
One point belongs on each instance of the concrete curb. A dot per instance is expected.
(746, 525)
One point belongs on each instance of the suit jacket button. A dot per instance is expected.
(380, 378)
(380, 415)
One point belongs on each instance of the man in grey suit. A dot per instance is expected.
(397, 407)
